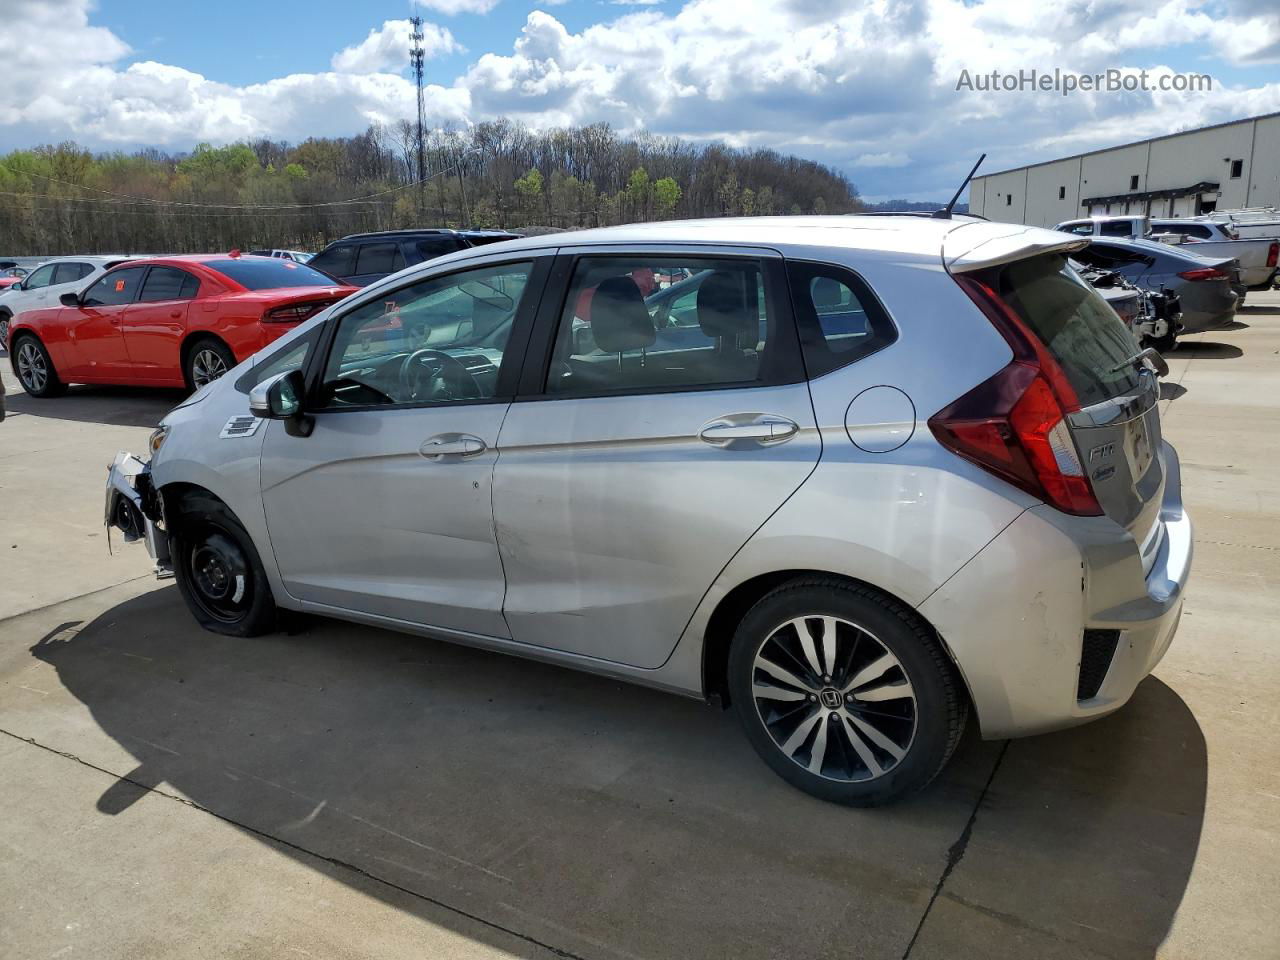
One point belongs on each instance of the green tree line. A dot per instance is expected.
(265, 193)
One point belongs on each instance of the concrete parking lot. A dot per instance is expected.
(347, 792)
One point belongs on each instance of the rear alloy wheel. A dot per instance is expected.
(4, 332)
(34, 368)
(207, 360)
(844, 693)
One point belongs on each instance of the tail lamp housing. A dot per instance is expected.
(1014, 424)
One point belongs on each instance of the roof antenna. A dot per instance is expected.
(945, 212)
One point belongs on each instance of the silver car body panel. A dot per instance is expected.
(984, 562)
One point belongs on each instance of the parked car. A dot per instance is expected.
(1257, 258)
(1203, 286)
(362, 258)
(11, 276)
(853, 539)
(48, 282)
(1154, 318)
(297, 256)
(165, 321)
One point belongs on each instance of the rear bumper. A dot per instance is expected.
(1014, 617)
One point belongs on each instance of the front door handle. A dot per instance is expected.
(452, 445)
(766, 429)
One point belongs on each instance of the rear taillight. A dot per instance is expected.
(293, 313)
(1014, 424)
(1205, 273)
(1273, 254)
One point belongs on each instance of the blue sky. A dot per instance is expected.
(867, 86)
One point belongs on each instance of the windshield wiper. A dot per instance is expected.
(1142, 356)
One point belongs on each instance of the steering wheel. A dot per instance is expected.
(446, 377)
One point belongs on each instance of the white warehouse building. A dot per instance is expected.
(1222, 167)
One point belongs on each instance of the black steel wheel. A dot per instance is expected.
(218, 571)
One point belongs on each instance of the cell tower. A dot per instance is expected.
(415, 61)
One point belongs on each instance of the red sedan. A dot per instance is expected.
(166, 321)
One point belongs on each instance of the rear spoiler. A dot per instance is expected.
(976, 246)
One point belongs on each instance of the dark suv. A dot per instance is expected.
(363, 258)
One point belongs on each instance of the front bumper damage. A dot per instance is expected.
(135, 508)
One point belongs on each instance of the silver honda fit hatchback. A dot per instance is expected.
(855, 477)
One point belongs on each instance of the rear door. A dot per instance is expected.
(95, 329)
(154, 325)
(376, 260)
(638, 460)
(1117, 430)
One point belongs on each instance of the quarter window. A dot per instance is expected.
(438, 340)
(660, 323)
(69, 272)
(840, 320)
(114, 288)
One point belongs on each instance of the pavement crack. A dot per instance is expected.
(956, 852)
(333, 861)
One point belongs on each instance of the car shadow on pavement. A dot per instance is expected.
(607, 820)
(1207, 350)
(116, 406)
(1240, 324)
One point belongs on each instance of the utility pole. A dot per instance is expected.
(415, 61)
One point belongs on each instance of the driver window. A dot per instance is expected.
(40, 278)
(438, 340)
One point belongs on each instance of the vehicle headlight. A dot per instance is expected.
(157, 438)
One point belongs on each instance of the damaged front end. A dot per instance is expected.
(136, 509)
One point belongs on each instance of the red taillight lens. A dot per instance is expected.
(1273, 254)
(293, 313)
(1014, 424)
(1205, 273)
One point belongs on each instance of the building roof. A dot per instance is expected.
(1121, 146)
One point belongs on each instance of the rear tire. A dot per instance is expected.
(206, 360)
(4, 331)
(1164, 344)
(219, 572)
(32, 364)
(862, 721)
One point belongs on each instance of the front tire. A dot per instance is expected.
(32, 364)
(219, 572)
(844, 692)
(1164, 344)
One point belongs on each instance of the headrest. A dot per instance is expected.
(722, 308)
(619, 319)
(826, 292)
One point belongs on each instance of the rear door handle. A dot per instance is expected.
(766, 429)
(452, 445)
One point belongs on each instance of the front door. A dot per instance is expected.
(386, 508)
(95, 333)
(668, 428)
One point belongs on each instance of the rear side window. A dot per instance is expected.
(69, 272)
(433, 247)
(336, 261)
(1115, 228)
(379, 258)
(264, 273)
(168, 283)
(839, 318)
(625, 327)
(115, 288)
(1082, 333)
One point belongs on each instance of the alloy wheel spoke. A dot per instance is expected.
(829, 640)
(766, 691)
(876, 737)
(860, 747)
(781, 673)
(876, 668)
(819, 752)
(807, 645)
(897, 690)
(801, 733)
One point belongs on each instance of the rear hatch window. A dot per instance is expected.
(1075, 324)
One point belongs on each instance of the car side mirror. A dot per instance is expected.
(70, 299)
(280, 398)
(17, 286)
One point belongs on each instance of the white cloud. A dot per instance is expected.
(451, 7)
(866, 85)
(387, 48)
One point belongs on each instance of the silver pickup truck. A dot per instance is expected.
(1258, 256)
